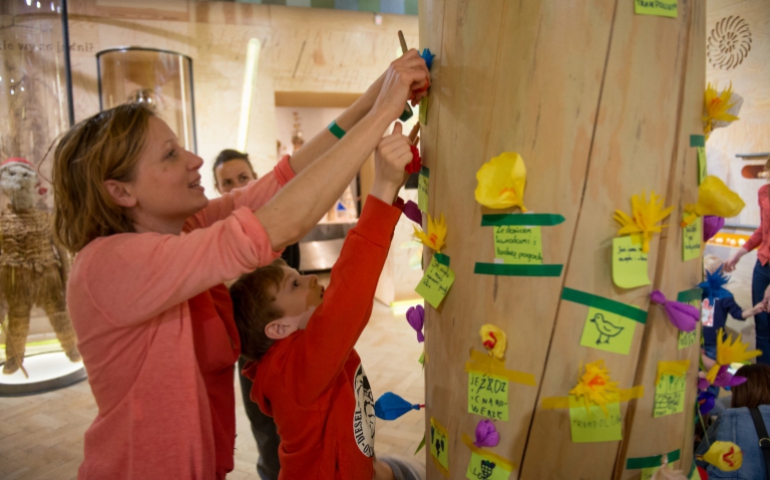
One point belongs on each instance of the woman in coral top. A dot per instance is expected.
(146, 296)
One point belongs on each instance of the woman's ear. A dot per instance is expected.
(278, 329)
(121, 193)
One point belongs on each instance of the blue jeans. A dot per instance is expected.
(759, 283)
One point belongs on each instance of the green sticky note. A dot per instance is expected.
(669, 395)
(439, 443)
(424, 110)
(422, 189)
(702, 166)
(694, 475)
(488, 396)
(629, 263)
(692, 236)
(519, 245)
(481, 468)
(686, 339)
(436, 282)
(422, 359)
(647, 473)
(608, 331)
(692, 297)
(660, 8)
(593, 425)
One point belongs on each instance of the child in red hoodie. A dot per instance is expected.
(306, 373)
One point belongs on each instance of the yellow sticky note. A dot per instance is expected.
(439, 443)
(692, 236)
(695, 475)
(423, 180)
(629, 263)
(669, 395)
(436, 282)
(593, 425)
(608, 331)
(488, 396)
(518, 245)
(660, 8)
(686, 339)
(647, 473)
(481, 468)
(702, 164)
(424, 110)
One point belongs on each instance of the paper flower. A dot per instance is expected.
(412, 212)
(729, 351)
(416, 318)
(594, 386)
(714, 198)
(486, 434)
(726, 456)
(390, 406)
(501, 182)
(683, 316)
(711, 226)
(646, 215)
(719, 108)
(723, 379)
(706, 401)
(428, 57)
(494, 340)
(416, 163)
(713, 286)
(436, 235)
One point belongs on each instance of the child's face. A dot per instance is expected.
(296, 295)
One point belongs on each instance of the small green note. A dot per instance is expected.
(436, 282)
(519, 245)
(424, 110)
(488, 396)
(692, 297)
(692, 237)
(647, 473)
(686, 339)
(439, 443)
(423, 181)
(702, 165)
(593, 425)
(481, 468)
(608, 331)
(629, 263)
(669, 395)
(660, 8)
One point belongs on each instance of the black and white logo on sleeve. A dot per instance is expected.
(363, 418)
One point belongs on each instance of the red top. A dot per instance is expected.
(763, 232)
(313, 382)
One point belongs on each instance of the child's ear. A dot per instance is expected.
(278, 330)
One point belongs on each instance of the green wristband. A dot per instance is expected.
(336, 130)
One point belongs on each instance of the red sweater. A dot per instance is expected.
(313, 382)
(763, 232)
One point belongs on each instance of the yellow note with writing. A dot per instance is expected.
(488, 396)
(423, 181)
(669, 395)
(692, 236)
(518, 245)
(439, 444)
(436, 281)
(593, 425)
(629, 263)
(481, 468)
(660, 8)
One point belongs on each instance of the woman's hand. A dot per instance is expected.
(393, 154)
(404, 75)
(731, 262)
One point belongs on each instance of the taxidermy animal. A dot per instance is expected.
(606, 329)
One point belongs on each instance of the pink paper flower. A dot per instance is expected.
(682, 316)
(486, 434)
(416, 318)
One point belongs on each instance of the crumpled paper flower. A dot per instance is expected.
(726, 456)
(711, 226)
(390, 406)
(720, 109)
(416, 163)
(486, 434)
(428, 57)
(713, 286)
(646, 215)
(501, 182)
(714, 198)
(706, 401)
(436, 235)
(412, 212)
(729, 351)
(594, 386)
(416, 318)
(683, 316)
(494, 340)
(723, 379)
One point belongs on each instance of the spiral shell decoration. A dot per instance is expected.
(729, 43)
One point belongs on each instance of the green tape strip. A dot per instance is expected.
(697, 141)
(634, 313)
(425, 172)
(336, 130)
(442, 259)
(528, 219)
(649, 462)
(689, 295)
(518, 270)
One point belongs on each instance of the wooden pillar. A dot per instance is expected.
(600, 103)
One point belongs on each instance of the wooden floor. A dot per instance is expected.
(41, 436)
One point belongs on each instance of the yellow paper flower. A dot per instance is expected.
(501, 182)
(646, 215)
(494, 340)
(729, 351)
(726, 456)
(436, 235)
(595, 387)
(716, 108)
(714, 198)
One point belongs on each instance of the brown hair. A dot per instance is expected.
(227, 155)
(104, 147)
(755, 391)
(254, 307)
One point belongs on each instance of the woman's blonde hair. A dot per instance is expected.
(104, 147)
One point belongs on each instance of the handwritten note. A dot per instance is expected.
(629, 263)
(593, 425)
(692, 297)
(481, 468)
(488, 396)
(608, 331)
(702, 164)
(686, 339)
(692, 236)
(669, 395)
(439, 443)
(423, 181)
(660, 8)
(518, 245)
(436, 281)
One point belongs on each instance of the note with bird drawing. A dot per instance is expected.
(608, 331)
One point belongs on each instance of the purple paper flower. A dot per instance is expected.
(412, 212)
(682, 316)
(723, 379)
(486, 434)
(706, 402)
(711, 226)
(416, 318)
